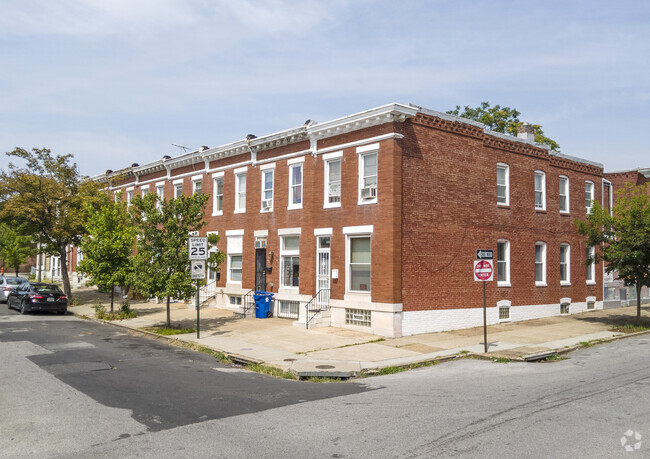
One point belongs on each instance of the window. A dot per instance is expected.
(591, 266)
(368, 178)
(289, 309)
(197, 186)
(565, 264)
(178, 189)
(540, 264)
(540, 190)
(217, 195)
(504, 310)
(503, 184)
(267, 190)
(145, 191)
(129, 198)
(235, 300)
(503, 263)
(564, 308)
(591, 304)
(359, 264)
(332, 180)
(160, 192)
(290, 261)
(589, 195)
(235, 257)
(564, 194)
(295, 186)
(359, 317)
(240, 192)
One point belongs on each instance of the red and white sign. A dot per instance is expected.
(483, 270)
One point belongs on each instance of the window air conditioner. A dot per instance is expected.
(267, 204)
(369, 192)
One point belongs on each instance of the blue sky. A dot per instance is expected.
(119, 81)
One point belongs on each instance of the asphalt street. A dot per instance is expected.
(73, 388)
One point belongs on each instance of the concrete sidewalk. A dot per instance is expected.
(338, 352)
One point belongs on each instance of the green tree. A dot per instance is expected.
(108, 246)
(15, 245)
(624, 236)
(501, 119)
(48, 196)
(161, 265)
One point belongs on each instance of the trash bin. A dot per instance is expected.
(263, 304)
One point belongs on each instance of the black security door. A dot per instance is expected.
(260, 270)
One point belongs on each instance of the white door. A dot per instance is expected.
(323, 271)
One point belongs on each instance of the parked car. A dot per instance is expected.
(7, 284)
(37, 296)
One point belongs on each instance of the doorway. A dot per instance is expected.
(260, 270)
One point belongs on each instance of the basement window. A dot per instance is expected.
(359, 317)
(564, 308)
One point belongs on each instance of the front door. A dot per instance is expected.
(260, 270)
(323, 272)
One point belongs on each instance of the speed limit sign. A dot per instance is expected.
(198, 248)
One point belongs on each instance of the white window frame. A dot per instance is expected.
(217, 205)
(506, 168)
(542, 282)
(240, 190)
(589, 195)
(178, 188)
(197, 179)
(160, 194)
(590, 272)
(567, 262)
(565, 179)
(365, 152)
(264, 170)
(328, 159)
(348, 263)
(506, 282)
(231, 240)
(294, 188)
(504, 304)
(129, 196)
(144, 191)
(542, 190)
(288, 253)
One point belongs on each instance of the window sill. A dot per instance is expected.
(266, 211)
(233, 284)
(591, 283)
(504, 284)
(503, 206)
(240, 211)
(364, 202)
(331, 205)
(565, 283)
(540, 211)
(294, 207)
(540, 284)
(216, 214)
(565, 214)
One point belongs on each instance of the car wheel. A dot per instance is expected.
(23, 308)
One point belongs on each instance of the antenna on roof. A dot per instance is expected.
(182, 147)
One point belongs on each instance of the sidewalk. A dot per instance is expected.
(338, 352)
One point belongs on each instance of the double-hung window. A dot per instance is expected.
(217, 193)
(178, 188)
(240, 190)
(565, 264)
(368, 156)
(564, 194)
(129, 198)
(295, 183)
(503, 263)
(268, 172)
(359, 264)
(540, 264)
(503, 184)
(160, 192)
(589, 195)
(591, 266)
(197, 185)
(332, 162)
(235, 255)
(290, 260)
(540, 190)
(144, 192)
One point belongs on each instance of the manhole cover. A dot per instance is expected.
(324, 367)
(289, 360)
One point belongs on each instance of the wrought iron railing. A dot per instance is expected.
(248, 304)
(320, 302)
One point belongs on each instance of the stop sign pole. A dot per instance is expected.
(483, 271)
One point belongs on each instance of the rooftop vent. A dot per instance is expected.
(135, 165)
(309, 123)
(109, 171)
(203, 148)
(250, 137)
(526, 132)
(165, 158)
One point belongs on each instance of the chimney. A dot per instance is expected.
(526, 132)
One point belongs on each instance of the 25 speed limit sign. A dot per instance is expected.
(198, 248)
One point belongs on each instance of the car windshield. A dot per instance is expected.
(14, 281)
(47, 289)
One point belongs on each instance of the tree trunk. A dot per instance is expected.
(64, 273)
(17, 269)
(112, 294)
(169, 322)
(638, 300)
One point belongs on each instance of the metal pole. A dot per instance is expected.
(198, 320)
(485, 343)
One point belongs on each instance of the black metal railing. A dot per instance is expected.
(248, 303)
(320, 302)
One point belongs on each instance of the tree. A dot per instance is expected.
(625, 237)
(48, 196)
(15, 245)
(108, 246)
(502, 119)
(161, 265)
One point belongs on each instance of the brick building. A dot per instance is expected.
(382, 211)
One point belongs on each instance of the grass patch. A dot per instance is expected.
(167, 331)
(271, 371)
(555, 357)
(463, 352)
(322, 379)
(501, 360)
(394, 369)
(587, 343)
(125, 312)
(631, 327)
(220, 356)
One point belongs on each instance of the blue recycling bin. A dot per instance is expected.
(262, 304)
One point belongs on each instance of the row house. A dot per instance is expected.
(383, 211)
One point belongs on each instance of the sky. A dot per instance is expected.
(114, 82)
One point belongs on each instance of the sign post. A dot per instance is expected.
(198, 254)
(483, 271)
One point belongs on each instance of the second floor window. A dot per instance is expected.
(540, 190)
(267, 190)
(503, 180)
(564, 194)
(333, 182)
(368, 177)
(178, 190)
(589, 195)
(160, 192)
(217, 196)
(295, 186)
(198, 185)
(240, 193)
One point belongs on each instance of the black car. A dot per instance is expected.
(37, 296)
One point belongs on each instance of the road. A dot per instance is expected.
(73, 388)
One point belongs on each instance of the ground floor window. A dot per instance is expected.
(359, 264)
(235, 300)
(235, 268)
(290, 261)
(357, 317)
